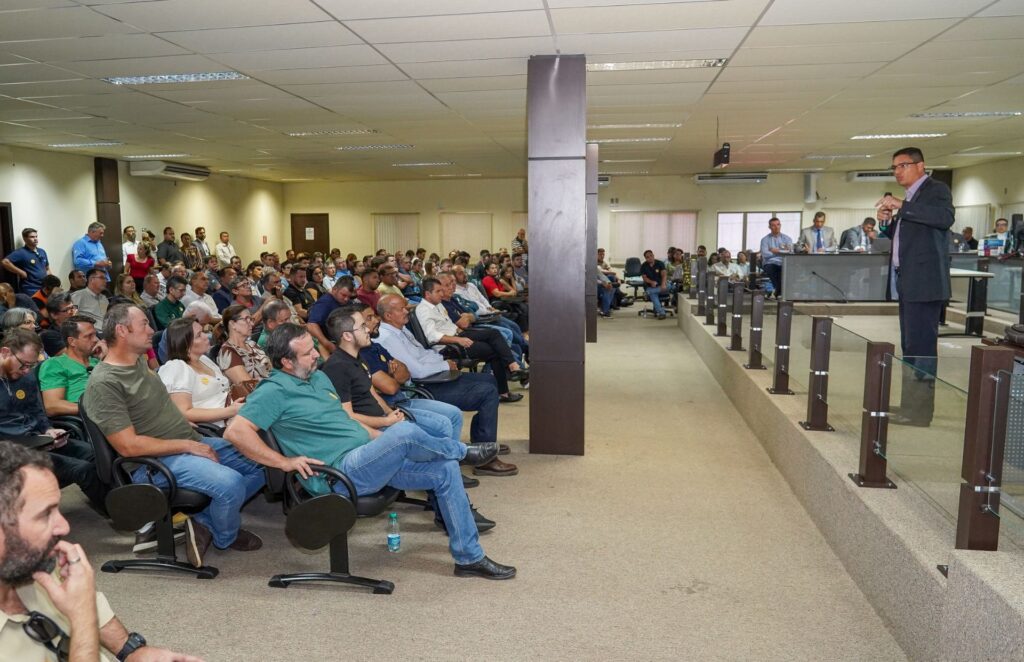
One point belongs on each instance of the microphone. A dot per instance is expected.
(842, 294)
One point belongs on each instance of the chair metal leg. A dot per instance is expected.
(379, 586)
(405, 498)
(161, 563)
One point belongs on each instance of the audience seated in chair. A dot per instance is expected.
(92, 300)
(68, 609)
(22, 415)
(60, 308)
(62, 379)
(196, 385)
(131, 407)
(476, 392)
(239, 357)
(342, 293)
(655, 279)
(300, 407)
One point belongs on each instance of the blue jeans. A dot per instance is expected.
(653, 293)
(407, 458)
(473, 391)
(517, 333)
(229, 484)
(438, 419)
(605, 297)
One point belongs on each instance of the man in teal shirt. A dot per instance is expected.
(170, 307)
(300, 406)
(62, 379)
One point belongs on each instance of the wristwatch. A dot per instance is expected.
(135, 642)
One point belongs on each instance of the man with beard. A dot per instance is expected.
(51, 614)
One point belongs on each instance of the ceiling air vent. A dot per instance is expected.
(168, 170)
(730, 178)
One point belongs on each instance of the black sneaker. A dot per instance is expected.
(197, 542)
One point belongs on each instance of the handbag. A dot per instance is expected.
(241, 390)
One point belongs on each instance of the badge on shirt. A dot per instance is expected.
(205, 380)
(31, 261)
(19, 394)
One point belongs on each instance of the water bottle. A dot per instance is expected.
(394, 535)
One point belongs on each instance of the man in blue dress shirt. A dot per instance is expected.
(773, 246)
(88, 252)
(29, 263)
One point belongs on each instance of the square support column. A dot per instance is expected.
(590, 300)
(556, 120)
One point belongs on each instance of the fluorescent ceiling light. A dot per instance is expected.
(176, 78)
(331, 132)
(92, 144)
(364, 148)
(657, 64)
(893, 136)
(423, 164)
(296, 179)
(157, 156)
(988, 153)
(627, 160)
(604, 141)
(795, 169)
(635, 172)
(664, 125)
(967, 115)
(832, 157)
(472, 174)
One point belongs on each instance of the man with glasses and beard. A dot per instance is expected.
(49, 607)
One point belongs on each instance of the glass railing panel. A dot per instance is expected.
(800, 352)
(1011, 512)
(1004, 286)
(926, 431)
(846, 381)
(770, 321)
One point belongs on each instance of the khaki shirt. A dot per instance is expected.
(15, 645)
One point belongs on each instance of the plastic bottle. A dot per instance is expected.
(394, 535)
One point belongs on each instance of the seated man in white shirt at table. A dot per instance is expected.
(726, 268)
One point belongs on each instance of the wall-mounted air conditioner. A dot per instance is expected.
(168, 170)
(874, 175)
(603, 180)
(731, 178)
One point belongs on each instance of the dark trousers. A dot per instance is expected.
(774, 273)
(919, 340)
(472, 391)
(517, 312)
(74, 463)
(488, 345)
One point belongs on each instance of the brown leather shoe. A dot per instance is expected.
(496, 468)
(247, 541)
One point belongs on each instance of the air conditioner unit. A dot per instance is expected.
(730, 178)
(603, 180)
(873, 176)
(168, 170)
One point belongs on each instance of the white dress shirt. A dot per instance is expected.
(129, 248)
(435, 321)
(472, 293)
(224, 254)
(401, 344)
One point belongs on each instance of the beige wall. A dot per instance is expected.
(351, 204)
(55, 194)
(1000, 184)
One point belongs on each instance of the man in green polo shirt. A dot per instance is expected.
(170, 307)
(62, 378)
(300, 406)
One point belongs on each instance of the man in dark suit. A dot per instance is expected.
(919, 269)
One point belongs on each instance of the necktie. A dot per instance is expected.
(819, 245)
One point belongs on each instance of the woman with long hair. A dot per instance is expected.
(240, 357)
(315, 282)
(124, 286)
(140, 264)
(198, 388)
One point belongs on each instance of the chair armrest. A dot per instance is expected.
(71, 424)
(209, 430)
(152, 465)
(409, 416)
(417, 391)
(442, 377)
(334, 475)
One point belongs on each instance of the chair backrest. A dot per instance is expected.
(632, 268)
(275, 477)
(417, 331)
(101, 448)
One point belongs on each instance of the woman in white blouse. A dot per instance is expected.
(196, 385)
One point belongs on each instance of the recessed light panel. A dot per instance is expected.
(967, 115)
(366, 148)
(92, 144)
(177, 78)
(657, 64)
(894, 136)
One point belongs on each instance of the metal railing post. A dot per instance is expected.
(737, 318)
(817, 381)
(988, 396)
(874, 422)
(754, 359)
(723, 306)
(709, 306)
(783, 330)
(702, 286)
(692, 275)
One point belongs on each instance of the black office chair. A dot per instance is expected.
(133, 505)
(315, 521)
(417, 332)
(631, 277)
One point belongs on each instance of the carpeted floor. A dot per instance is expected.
(673, 538)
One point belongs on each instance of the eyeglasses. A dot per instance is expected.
(42, 629)
(244, 320)
(68, 309)
(901, 166)
(28, 366)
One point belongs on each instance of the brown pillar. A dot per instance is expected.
(590, 298)
(556, 123)
(108, 211)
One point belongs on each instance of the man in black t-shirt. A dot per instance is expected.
(655, 277)
(297, 294)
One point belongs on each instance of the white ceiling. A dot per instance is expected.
(449, 78)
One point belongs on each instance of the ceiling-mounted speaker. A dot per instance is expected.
(810, 187)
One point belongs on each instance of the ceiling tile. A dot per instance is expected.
(987, 28)
(1004, 8)
(910, 33)
(465, 68)
(171, 15)
(692, 41)
(54, 23)
(93, 48)
(470, 84)
(345, 10)
(329, 75)
(264, 37)
(495, 25)
(798, 72)
(302, 58)
(24, 73)
(148, 66)
(651, 17)
(800, 12)
(944, 49)
(522, 47)
(834, 54)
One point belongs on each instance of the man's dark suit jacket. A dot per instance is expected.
(924, 243)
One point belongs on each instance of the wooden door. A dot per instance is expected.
(7, 242)
(310, 233)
